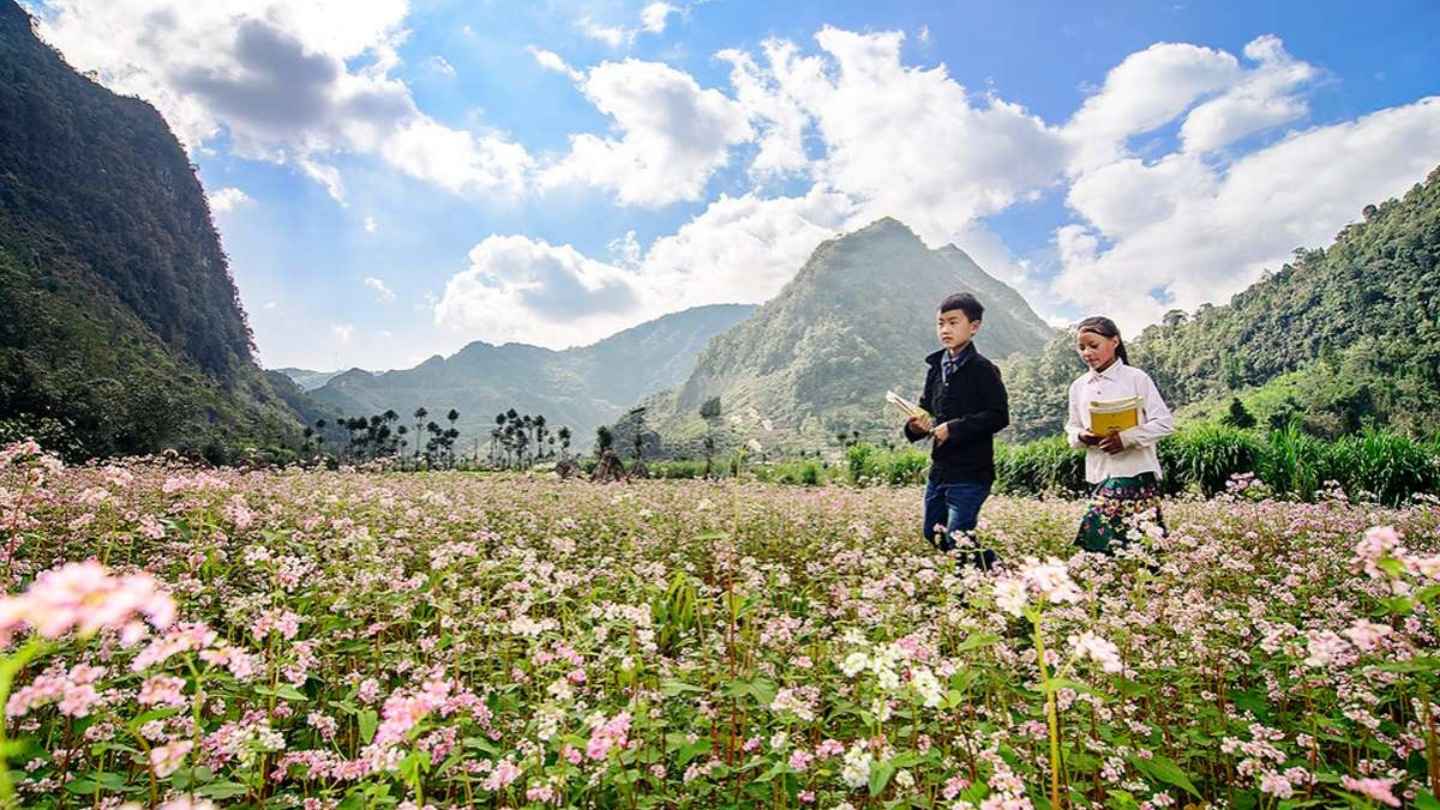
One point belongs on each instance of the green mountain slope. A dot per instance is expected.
(1339, 337)
(858, 319)
(122, 327)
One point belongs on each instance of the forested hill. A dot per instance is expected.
(122, 328)
(1337, 338)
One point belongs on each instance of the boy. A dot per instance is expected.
(964, 393)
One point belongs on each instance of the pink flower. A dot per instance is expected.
(504, 774)
(1378, 789)
(612, 733)
(1379, 543)
(167, 759)
(85, 598)
(800, 759)
(1366, 635)
(162, 689)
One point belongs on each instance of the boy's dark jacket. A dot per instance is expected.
(975, 404)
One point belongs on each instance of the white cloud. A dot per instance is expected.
(270, 305)
(519, 289)
(654, 16)
(342, 332)
(441, 66)
(1216, 228)
(370, 225)
(383, 294)
(924, 35)
(228, 199)
(900, 141)
(290, 83)
(673, 135)
(552, 61)
(1144, 92)
(611, 35)
(1263, 99)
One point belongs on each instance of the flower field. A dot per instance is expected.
(191, 638)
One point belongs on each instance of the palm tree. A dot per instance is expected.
(420, 414)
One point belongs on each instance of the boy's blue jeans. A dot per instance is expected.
(957, 508)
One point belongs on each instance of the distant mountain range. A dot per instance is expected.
(582, 388)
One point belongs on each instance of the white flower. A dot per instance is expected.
(926, 687)
(1102, 652)
(856, 772)
(1010, 595)
(854, 662)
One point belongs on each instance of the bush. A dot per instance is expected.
(1206, 455)
(1044, 466)
(1295, 463)
(1386, 467)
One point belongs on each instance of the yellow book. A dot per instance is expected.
(1114, 414)
(904, 407)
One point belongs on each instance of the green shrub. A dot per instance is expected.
(1296, 463)
(1207, 455)
(1044, 466)
(1385, 466)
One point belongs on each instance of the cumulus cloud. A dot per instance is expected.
(1192, 232)
(521, 289)
(673, 135)
(654, 17)
(289, 83)
(228, 199)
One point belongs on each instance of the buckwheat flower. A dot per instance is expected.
(854, 663)
(926, 686)
(1051, 580)
(904, 779)
(1378, 543)
(1010, 595)
(1099, 650)
(167, 759)
(505, 773)
(84, 598)
(1366, 635)
(777, 740)
(1324, 648)
(800, 759)
(1381, 790)
(164, 690)
(856, 770)
(1276, 785)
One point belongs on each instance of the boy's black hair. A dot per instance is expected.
(966, 303)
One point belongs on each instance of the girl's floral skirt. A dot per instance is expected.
(1117, 507)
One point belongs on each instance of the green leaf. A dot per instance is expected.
(1425, 800)
(1163, 769)
(671, 687)
(1419, 664)
(976, 640)
(368, 722)
(222, 790)
(1056, 684)
(880, 774)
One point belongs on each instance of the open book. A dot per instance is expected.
(905, 408)
(1114, 414)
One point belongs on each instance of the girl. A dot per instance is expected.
(1123, 466)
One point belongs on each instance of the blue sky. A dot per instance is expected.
(393, 180)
